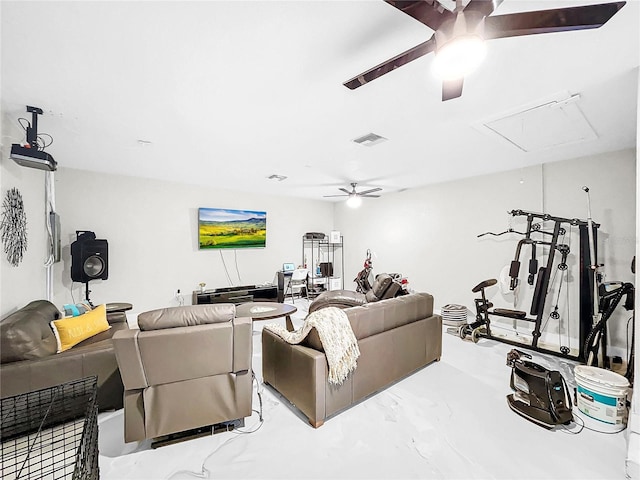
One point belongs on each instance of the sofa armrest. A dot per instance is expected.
(116, 317)
(27, 376)
(125, 345)
(337, 298)
(297, 372)
(242, 343)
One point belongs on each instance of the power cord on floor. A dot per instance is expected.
(571, 432)
(583, 426)
(204, 472)
(259, 412)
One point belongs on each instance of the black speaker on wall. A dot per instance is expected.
(89, 258)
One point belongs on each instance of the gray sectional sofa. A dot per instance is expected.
(30, 362)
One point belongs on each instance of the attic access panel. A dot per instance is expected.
(552, 124)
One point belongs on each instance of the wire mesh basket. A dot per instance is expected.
(51, 433)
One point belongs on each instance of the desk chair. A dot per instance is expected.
(298, 281)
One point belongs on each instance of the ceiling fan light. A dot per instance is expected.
(354, 201)
(459, 57)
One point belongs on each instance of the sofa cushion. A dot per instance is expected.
(337, 298)
(74, 310)
(186, 316)
(26, 333)
(398, 311)
(373, 318)
(70, 331)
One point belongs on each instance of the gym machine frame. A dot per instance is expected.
(542, 284)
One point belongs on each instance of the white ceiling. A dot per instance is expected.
(230, 92)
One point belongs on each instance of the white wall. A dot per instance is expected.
(151, 227)
(26, 282)
(430, 234)
(633, 431)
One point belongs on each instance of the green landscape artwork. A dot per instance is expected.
(224, 228)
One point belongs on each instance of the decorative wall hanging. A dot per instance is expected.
(13, 227)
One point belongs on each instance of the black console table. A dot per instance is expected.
(237, 295)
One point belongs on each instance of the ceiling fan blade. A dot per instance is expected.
(335, 196)
(391, 64)
(345, 191)
(549, 21)
(430, 13)
(369, 191)
(452, 89)
(370, 196)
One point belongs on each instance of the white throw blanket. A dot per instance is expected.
(339, 342)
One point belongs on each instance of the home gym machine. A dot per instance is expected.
(606, 297)
(535, 237)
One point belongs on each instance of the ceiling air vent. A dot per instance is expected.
(369, 140)
(277, 177)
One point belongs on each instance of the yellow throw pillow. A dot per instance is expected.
(72, 330)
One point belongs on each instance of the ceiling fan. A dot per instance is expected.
(461, 33)
(354, 196)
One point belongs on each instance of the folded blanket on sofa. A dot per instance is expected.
(337, 337)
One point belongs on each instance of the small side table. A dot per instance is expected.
(118, 307)
(267, 311)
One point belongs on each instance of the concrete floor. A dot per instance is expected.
(449, 420)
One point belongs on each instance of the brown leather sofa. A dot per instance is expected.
(396, 337)
(185, 368)
(29, 360)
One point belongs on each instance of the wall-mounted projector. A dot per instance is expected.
(32, 158)
(30, 155)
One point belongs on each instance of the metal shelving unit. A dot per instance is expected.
(316, 251)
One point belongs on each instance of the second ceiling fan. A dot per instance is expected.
(464, 30)
(354, 193)
(355, 196)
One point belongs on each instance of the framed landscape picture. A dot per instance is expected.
(225, 228)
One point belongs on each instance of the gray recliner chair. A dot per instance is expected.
(383, 287)
(185, 368)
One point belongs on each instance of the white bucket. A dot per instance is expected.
(602, 396)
